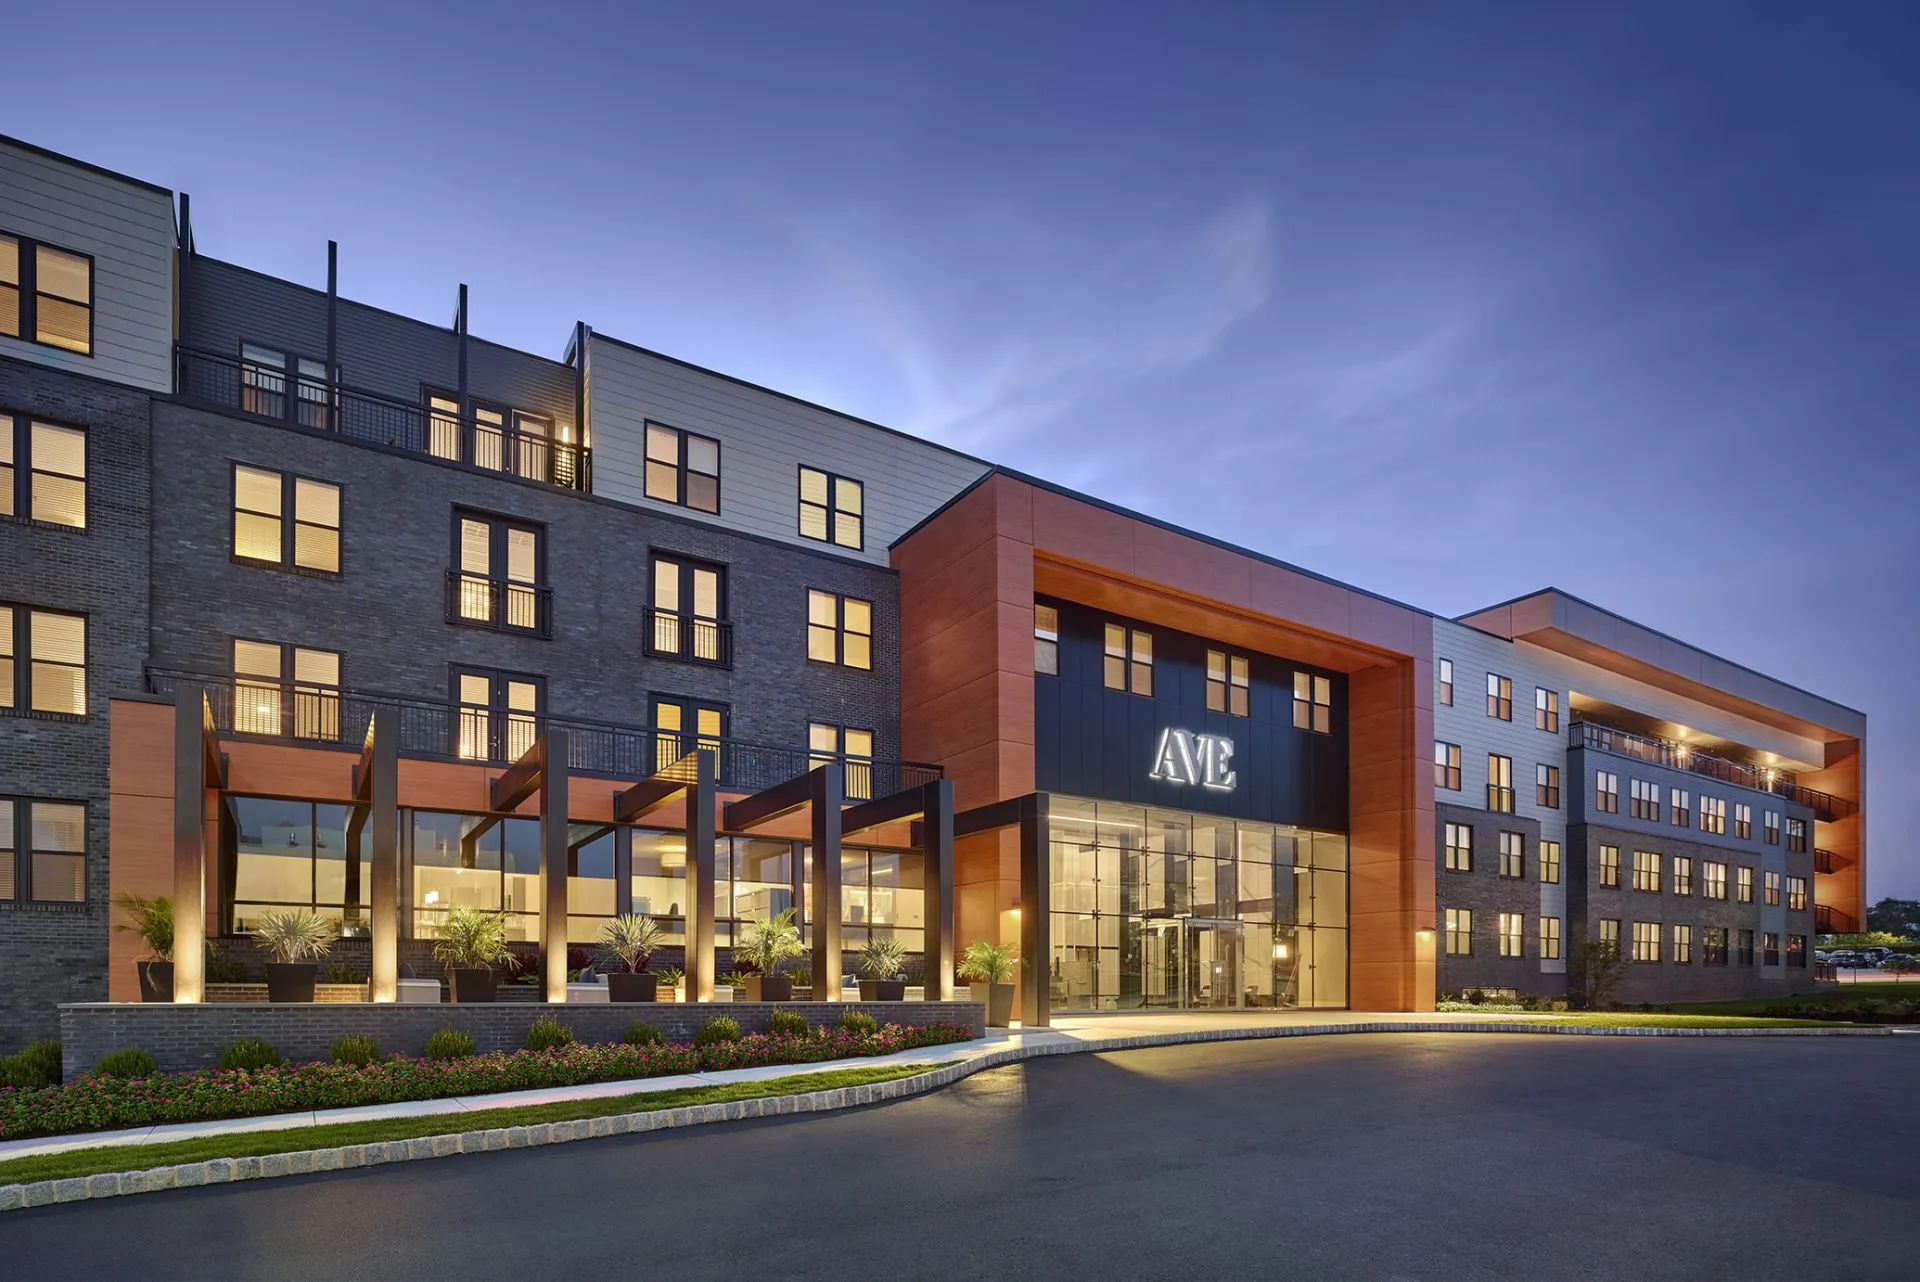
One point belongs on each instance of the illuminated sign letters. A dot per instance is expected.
(1182, 757)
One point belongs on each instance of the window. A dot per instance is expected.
(1743, 884)
(1680, 808)
(1227, 683)
(1772, 827)
(1769, 949)
(1550, 863)
(1796, 950)
(1743, 947)
(1127, 659)
(1513, 928)
(1513, 855)
(1500, 697)
(46, 294)
(1644, 800)
(1459, 848)
(1546, 709)
(43, 851)
(1609, 865)
(1683, 874)
(43, 661)
(682, 725)
(687, 617)
(1797, 836)
(1683, 945)
(1499, 783)
(279, 689)
(1610, 931)
(263, 387)
(1312, 703)
(683, 468)
(1546, 786)
(1646, 871)
(832, 508)
(500, 575)
(1773, 890)
(1046, 639)
(499, 713)
(285, 520)
(839, 629)
(1742, 820)
(1550, 938)
(1459, 932)
(1713, 814)
(1446, 683)
(1797, 894)
(43, 471)
(1446, 766)
(853, 747)
(1713, 877)
(1646, 941)
(1606, 792)
(1713, 946)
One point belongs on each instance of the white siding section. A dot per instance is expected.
(128, 229)
(764, 438)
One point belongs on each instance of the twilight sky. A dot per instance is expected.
(1450, 301)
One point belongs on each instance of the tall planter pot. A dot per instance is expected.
(156, 980)
(626, 986)
(883, 990)
(470, 985)
(769, 988)
(999, 1000)
(291, 981)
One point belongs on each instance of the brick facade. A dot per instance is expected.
(1487, 894)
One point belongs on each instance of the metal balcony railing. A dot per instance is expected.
(1830, 860)
(674, 635)
(230, 383)
(499, 604)
(1675, 756)
(445, 731)
(1829, 920)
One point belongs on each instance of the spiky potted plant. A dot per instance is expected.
(472, 941)
(296, 939)
(152, 920)
(630, 939)
(881, 962)
(991, 968)
(771, 943)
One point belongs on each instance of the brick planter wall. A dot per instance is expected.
(187, 1037)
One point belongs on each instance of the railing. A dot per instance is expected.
(673, 635)
(1675, 756)
(446, 731)
(1829, 920)
(1830, 860)
(229, 383)
(499, 604)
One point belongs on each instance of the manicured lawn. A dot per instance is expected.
(140, 1157)
(1845, 995)
(1633, 1019)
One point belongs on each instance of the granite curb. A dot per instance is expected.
(14, 1197)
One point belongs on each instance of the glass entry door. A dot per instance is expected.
(1212, 964)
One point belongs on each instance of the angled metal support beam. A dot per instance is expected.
(552, 787)
(579, 834)
(190, 775)
(908, 803)
(647, 796)
(826, 788)
(997, 814)
(521, 779)
(771, 803)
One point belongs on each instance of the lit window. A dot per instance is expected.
(263, 387)
(1606, 792)
(1610, 932)
(1227, 689)
(1682, 875)
(1499, 697)
(827, 743)
(1713, 814)
(832, 508)
(1459, 923)
(1772, 827)
(1797, 836)
(1773, 890)
(1680, 808)
(1742, 820)
(46, 295)
(839, 630)
(1046, 639)
(1446, 766)
(683, 725)
(687, 616)
(1644, 802)
(1446, 682)
(1459, 848)
(1546, 786)
(1683, 945)
(1513, 855)
(280, 687)
(1743, 884)
(1550, 862)
(499, 713)
(262, 532)
(499, 577)
(1499, 784)
(43, 471)
(1713, 878)
(1646, 871)
(1646, 941)
(1513, 928)
(1312, 703)
(1797, 894)
(683, 468)
(1550, 938)
(43, 661)
(1609, 865)
(43, 851)
(1546, 709)
(1127, 659)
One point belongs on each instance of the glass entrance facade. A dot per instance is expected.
(1158, 909)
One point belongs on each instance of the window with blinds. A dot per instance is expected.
(688, 611)
(286, 690)
(43, 661)
(827, 743)
(839, 629)
(43, 471)
(46, 294)
(499, 574)
(832, 508)
(499, 714)
(285, 520)
(683, 468)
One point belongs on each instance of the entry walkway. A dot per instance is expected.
(1069, 1034)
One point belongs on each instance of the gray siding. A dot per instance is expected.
(128, 230)
(764, 438)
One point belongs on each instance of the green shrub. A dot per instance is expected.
(37, 1065)
(547, 1033)
(129, 1063)
(225, 972)
(858, 1021)
(449, 1043)
(341, 973)
(788, 1023)
(356, 1049)
(719, 1029)
(642, 1034)
(250, 1053)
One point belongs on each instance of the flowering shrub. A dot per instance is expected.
(97, 1103)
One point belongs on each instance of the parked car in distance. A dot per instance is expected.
(1899, 961)
(1846, 959)
(1876, 954)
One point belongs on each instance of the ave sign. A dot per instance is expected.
(1182, 757)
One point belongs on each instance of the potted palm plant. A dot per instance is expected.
(472, 941)
(630, 940)
(991, 967)
(152, 920)
(880, 963)
(296, 939)
(770, 943)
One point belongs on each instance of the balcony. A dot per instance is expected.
(673, 635)
(229, 383)
(1830, 860)
(440, 730)
(1677, 756)
(1831, 921)
(499, 604)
